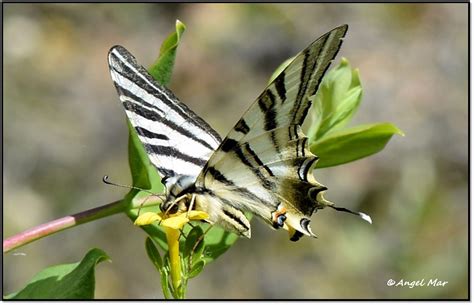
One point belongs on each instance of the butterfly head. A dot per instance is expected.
(173, 205)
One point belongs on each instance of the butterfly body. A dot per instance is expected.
(263, 166)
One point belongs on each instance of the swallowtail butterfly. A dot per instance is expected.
(263, 166)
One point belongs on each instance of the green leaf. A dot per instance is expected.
(137, 160)
(217, 242)
(153, 254)
(165, 283)
(196, 269)
(157, 261)
(162, 69)
(191, 243)
(68, 281)
(336, 101)
(353, 143)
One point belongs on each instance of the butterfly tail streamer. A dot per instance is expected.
(360, 214)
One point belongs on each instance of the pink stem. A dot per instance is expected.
(60, 224)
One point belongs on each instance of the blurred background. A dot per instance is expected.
(64, 128)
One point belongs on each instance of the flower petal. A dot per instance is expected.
(197, 215)
(147, 218)
(175, 222)
(172, 236)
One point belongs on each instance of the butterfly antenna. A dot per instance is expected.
(360, 214)
(106, 180)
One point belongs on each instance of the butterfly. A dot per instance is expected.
(263, 166)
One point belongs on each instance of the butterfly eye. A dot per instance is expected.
(169, 207)
(164, 205)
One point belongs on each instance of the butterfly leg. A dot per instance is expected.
(191, 204)
(175, 202)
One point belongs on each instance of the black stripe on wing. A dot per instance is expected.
(243, 152)
(161, 150)
(151, 135)
(232, 216)
(280, 86)
(138, 109)
(218, 176)
(242, 126)
(266, 103)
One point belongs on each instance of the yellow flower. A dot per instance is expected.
(174, 221)
(172, 224)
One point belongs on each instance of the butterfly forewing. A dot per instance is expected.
(177, 141)
(264, 164)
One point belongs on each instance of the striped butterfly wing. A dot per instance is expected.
(263, 165)
(177, 141)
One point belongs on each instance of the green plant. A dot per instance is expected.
(178, 248)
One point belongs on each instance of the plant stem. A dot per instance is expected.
(70, 221)
(61, 224)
